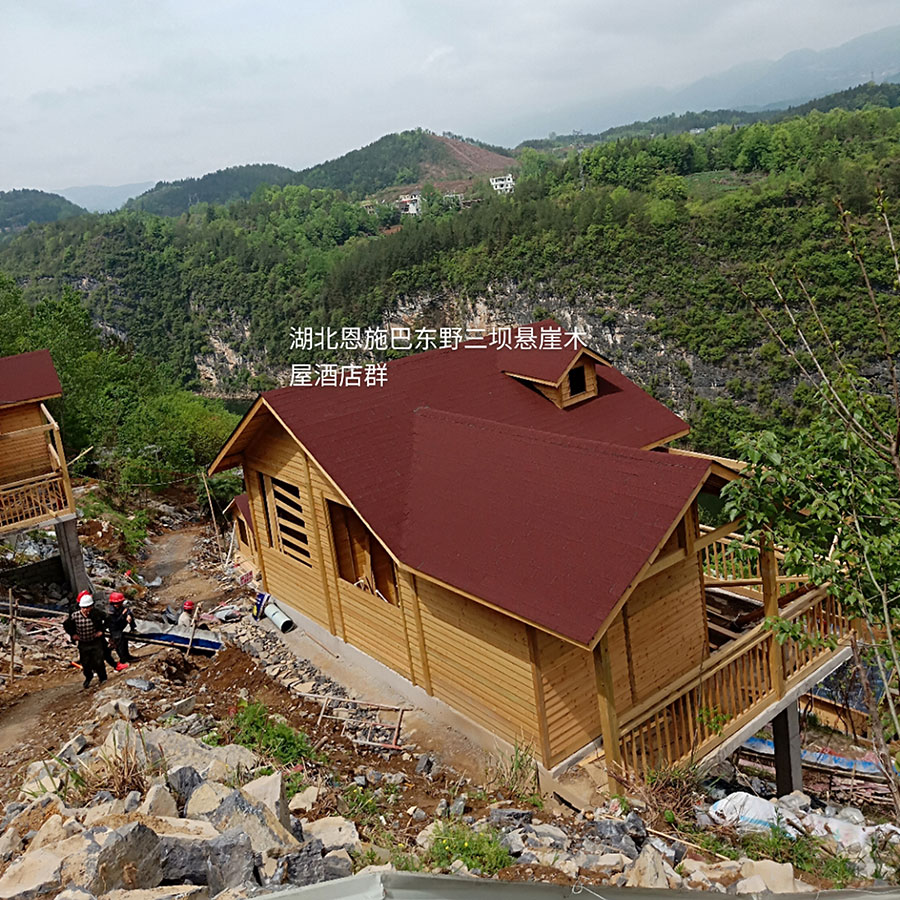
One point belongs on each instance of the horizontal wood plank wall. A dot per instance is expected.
(569, 689)
(666, 627)
(479, 663)
(376, 627)
(26, 456)
(291, 582)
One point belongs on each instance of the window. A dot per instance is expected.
(361, 559)
(283, 512)
(577, 381)
(242, 531)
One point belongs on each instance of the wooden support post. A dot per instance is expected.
(788, 764)
(768, 572)
(538, 685)
(609, 719)
(212, 512)
(13, 609)
(193, 628)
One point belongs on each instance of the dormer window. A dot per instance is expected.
(566, 377)
(577, 381)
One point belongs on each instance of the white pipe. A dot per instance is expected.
(281, 620)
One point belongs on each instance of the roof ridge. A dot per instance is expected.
(539, 435)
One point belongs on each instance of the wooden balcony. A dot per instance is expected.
(46, 492)
(690, 718)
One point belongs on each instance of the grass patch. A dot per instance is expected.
(480, 850)
(516, 776)
(253, 727)
(804, 852)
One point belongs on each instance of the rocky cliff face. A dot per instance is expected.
(624, 335)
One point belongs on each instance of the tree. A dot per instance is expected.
(831, 493)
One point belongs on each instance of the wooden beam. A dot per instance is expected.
(314, 509)
(670, 559)
(768, 570)
(609, 719)
(420, 631)
(34, 429)
(540, 706)
(716, 534)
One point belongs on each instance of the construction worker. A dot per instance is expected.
(186, 619)
(120, 619)
(85, 627)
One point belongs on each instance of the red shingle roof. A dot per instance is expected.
(476, 479)
(28, 376)
(242, 504)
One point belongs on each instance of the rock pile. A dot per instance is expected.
(189, 828)
(843, 831)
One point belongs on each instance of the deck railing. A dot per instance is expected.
(703, 708)
(42, 496)
(731, 563)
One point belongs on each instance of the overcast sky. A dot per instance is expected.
(125, 91)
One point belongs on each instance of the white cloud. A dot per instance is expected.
(107, 91)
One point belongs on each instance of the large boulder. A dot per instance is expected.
(648, 870)
(256, 820)
(220, 862)
(159, 802)
(127, 858)
(778, 877)
(181, 750)
(182, 781)
(304, 865)
(335, 833)
(269, 789)
(206, 798)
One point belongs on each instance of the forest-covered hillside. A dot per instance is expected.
(20, 208)
(647, 243)
(864, 95)
(395, 159)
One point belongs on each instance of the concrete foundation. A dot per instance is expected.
(788, 764)
(70, 554)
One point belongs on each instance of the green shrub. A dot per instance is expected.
(253, 727)
(477, 849)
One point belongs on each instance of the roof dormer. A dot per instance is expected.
(572, 380)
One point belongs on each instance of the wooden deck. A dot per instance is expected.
(27, 502)
(691, 717)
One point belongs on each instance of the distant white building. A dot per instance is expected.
(410, 204)
(503, 184)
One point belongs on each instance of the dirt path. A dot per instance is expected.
(169, 559)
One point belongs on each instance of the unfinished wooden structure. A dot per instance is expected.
(507, 529)
(35, 490)
(245, 549)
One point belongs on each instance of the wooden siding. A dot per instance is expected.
(590, 379)
(666, 625)
(568, 686)
(480, 663)
(518, 682)
(27, 455)
(292, 582)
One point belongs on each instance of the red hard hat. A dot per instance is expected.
(188, 604)
(116, 597)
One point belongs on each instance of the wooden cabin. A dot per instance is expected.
(507, 529)
(34, 480)
(246, 557)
